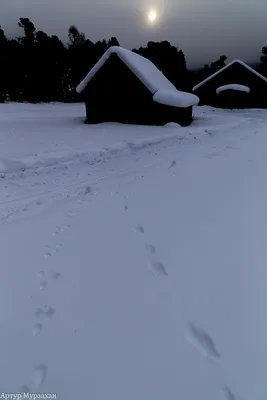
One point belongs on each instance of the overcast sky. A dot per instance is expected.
(203, 29)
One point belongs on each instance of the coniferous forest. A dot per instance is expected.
(36, 67)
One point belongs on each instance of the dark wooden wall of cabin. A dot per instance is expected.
(115, 94)
(236, 73)
(233, 99)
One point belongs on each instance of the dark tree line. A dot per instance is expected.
(169, 60)
(36, 67)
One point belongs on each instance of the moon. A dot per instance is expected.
(152, 15)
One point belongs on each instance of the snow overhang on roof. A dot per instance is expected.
(233, 86)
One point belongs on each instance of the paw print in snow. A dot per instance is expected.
(150, 248)
(157, 269)
(140, 229)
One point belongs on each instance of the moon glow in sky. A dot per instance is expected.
(152, 16)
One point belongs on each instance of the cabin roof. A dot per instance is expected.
(148, 74)
(225, 68)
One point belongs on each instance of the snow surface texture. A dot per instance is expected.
(227, 66)
(163, 90)
(240, 88)
(138, 275)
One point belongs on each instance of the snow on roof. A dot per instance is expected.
(146, 72)
(233, 86)
(227, 66)
(175, 98)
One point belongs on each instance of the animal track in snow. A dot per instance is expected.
(88, 190)
(140, 229)
(209, 132)
(172, 164)
(47, 312)
(202, 341)
(43, 284)
(212, 155)
(51, 249)
(60, 229)
(39, 375)
(37, 329)
(55, 275)
(150, 248)
(228, 394)
(41, 274)
(124, 208)
(34, 207)
(56, 231)
(47, 255)
(157, 268)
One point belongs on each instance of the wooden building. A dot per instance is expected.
(236, 85)
(126, 87)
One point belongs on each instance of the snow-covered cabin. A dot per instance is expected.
(125, 87)
(236, 85)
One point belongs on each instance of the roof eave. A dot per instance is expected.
(224, 68)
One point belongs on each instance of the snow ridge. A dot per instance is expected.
(88, 156)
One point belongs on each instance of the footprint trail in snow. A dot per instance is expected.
(156, 267)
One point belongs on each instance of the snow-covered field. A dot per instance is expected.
(133, 259)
